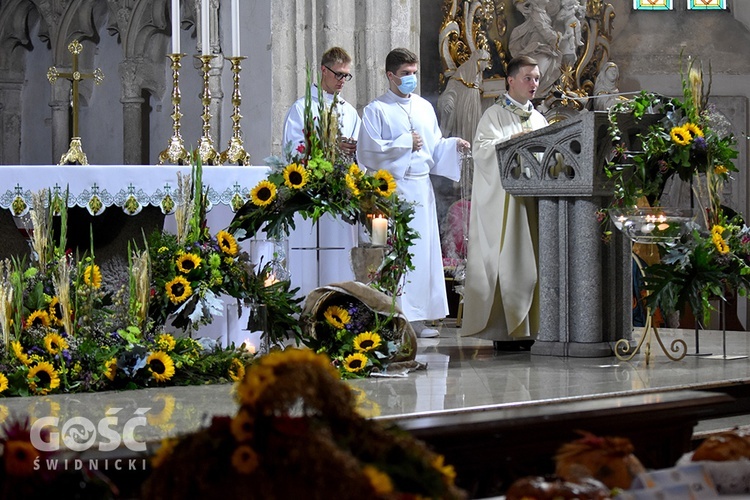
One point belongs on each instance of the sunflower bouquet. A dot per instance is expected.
(313, 180)
(689, 143)
(359, 328)
(298, 434)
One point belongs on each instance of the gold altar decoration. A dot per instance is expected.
(175, 152)
(75, 152)
(487, 24)
(206, 150)
(236, 153)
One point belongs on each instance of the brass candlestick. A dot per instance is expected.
(206, 150)
(175, 152)
(236, 153)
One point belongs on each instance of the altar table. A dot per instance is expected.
(130, 187)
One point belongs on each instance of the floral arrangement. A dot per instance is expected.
(66, 329)
(687, 139)
(314, 179)
(297, 434)
(358, 329)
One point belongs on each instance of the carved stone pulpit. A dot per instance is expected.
(585, 287)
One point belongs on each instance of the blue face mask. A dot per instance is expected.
(408, 84)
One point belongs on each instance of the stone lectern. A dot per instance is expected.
(585, 284)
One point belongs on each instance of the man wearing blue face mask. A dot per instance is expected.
(400, 133)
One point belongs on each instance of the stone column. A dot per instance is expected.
(132, 112)
(10, 117)
(60, 104)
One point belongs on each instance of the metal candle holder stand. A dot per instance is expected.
(175, 152)
(206, 150)
(236, 153)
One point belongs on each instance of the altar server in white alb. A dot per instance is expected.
(400, 133)
(332, 233)
(501, 296)
(335, 71)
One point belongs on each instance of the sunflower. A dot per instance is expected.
(379, 480)
(366, 341)
(337, 317)
(263, 193)
(242, 426)
(227, 243)
(20, 456)
(720, 170)
(110, 369)
(161, 366)
(92, 276)
(446, 470)
(355, 362)
(187, 262)
(18, 352)
(3, 383)
(386, 185)
(355, 171)
(295, 176)
(43, 378)
(54, 343)
(351, 183)
(244, 459)
(694, 129)
(178, 290)
(37, 318)
(257, 379)
(55, 311)
(165, 342)
(680, 136)
(236, 370)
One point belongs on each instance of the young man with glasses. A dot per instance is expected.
(400, 133)
(335, 68)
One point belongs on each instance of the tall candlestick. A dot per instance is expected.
(175, 26)
(236, 28)
(205, 40)
(379, 230)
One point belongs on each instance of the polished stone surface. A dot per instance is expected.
(463, 374)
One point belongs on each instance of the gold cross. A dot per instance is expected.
(75, 153)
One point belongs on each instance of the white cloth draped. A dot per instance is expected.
(385, 142)
(500, 292)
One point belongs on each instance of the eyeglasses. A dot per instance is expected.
(339, 76)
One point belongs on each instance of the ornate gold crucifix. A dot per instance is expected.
(75, 153)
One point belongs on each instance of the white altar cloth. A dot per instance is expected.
(131, 187)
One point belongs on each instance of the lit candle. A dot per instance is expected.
(379, 230)
(236, 28)
(175, 26)
(205, 41)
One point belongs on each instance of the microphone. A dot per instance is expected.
(560, 95)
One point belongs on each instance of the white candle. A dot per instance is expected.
(175, 26)
(236, 28)
(205, 41)
(379, 230)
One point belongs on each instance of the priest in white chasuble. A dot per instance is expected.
(501, 296)
(400, 134)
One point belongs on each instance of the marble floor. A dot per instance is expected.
(463, 374)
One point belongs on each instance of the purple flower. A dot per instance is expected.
(699, 143)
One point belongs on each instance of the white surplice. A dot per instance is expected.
(500, 293)
(294, 122)
(385, 142)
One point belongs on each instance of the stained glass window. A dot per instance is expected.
(706, 4)
(653, 4)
